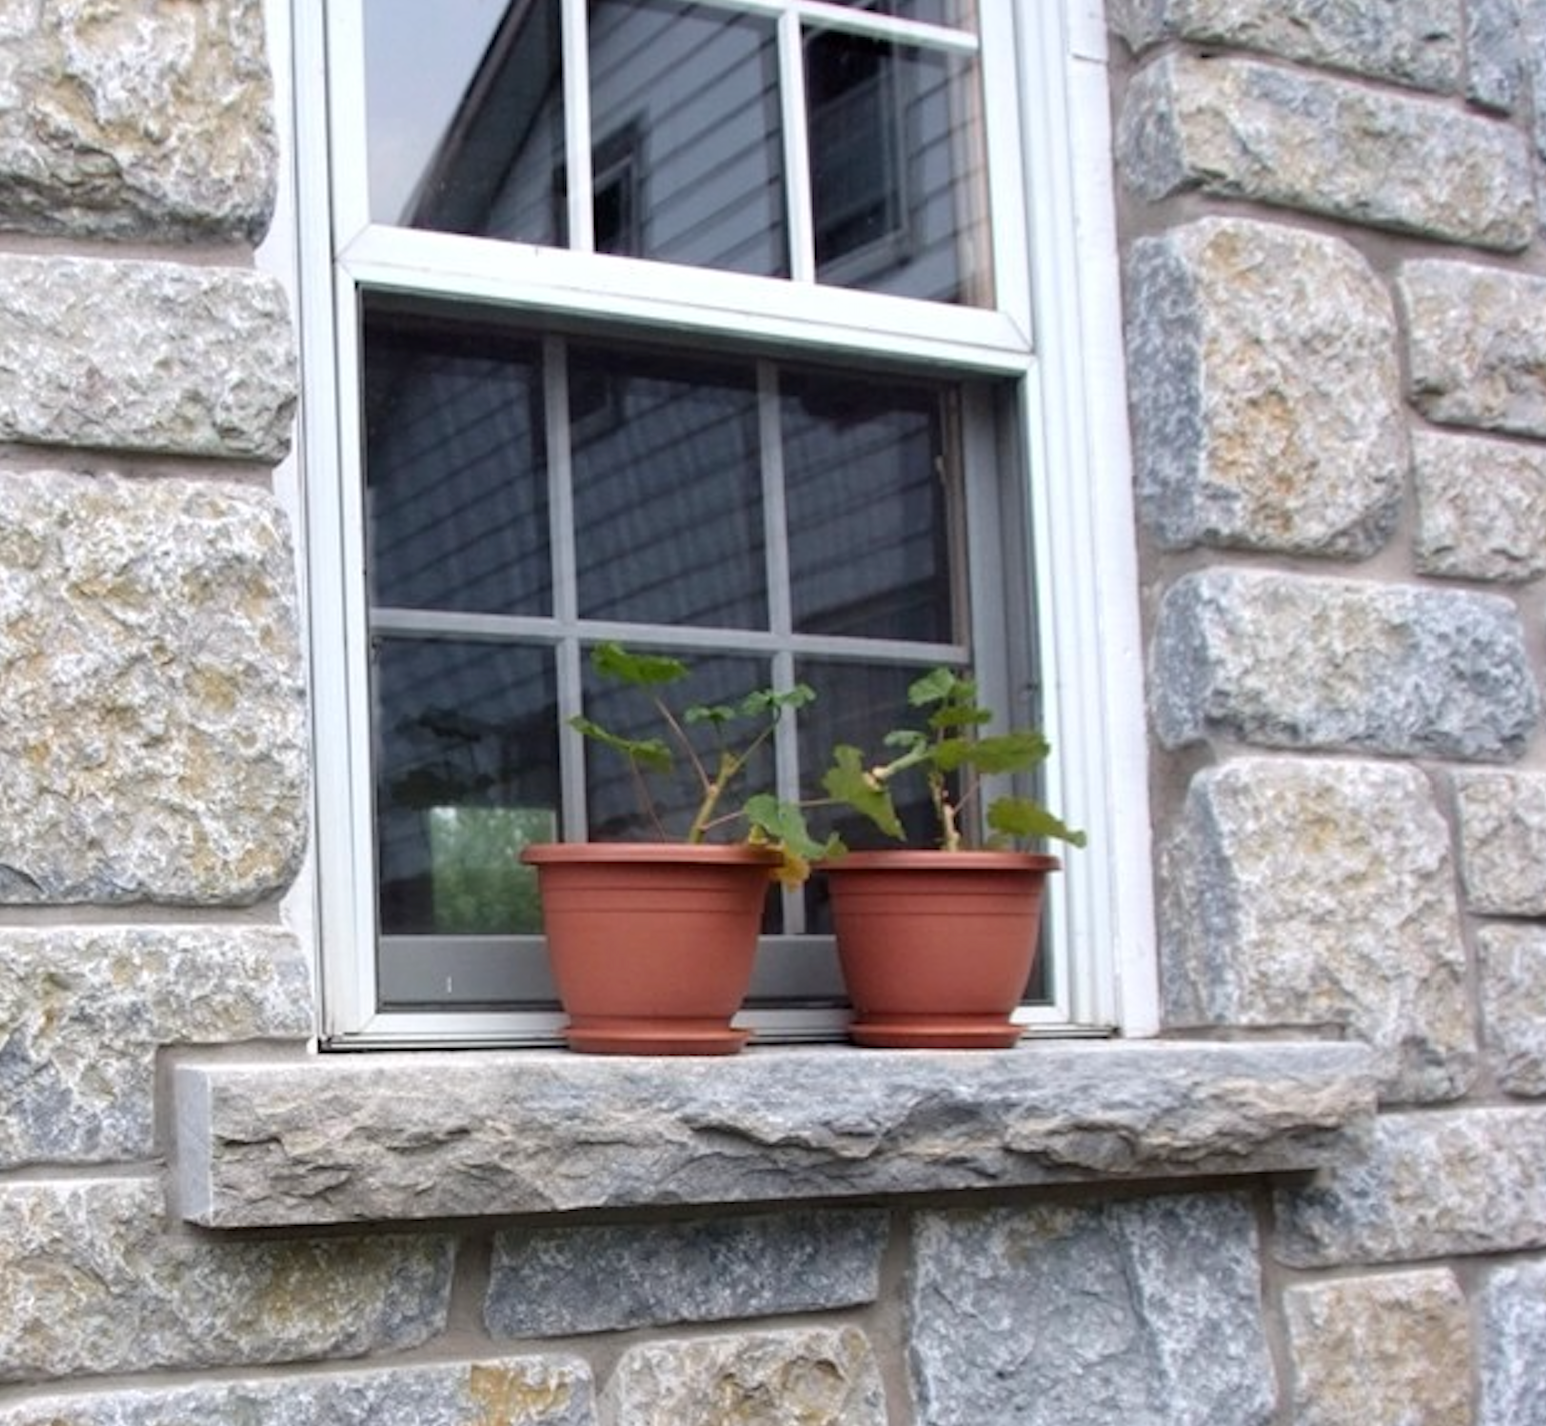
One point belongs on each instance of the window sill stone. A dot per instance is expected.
(394, 1137)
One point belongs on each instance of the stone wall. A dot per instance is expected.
(1338, 367)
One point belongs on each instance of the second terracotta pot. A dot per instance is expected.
(937, 947)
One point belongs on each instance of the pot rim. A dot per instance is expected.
(932, 859)
(634, 853)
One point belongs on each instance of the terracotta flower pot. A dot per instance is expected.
(652, 945)
(937, 947)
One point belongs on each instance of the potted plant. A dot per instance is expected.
(652, 943)
(937, 944)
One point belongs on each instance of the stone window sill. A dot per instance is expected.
(400, 1137)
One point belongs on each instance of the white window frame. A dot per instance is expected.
(1045, 62)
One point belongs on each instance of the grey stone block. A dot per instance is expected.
(1284, 661)
(1394, 1348)
(84, 1011)
(398, 1137)
(154, 744)
(148, 122)
(1512, 971)
(1434, 1184)
(1502, 838)
(512, 1391)
(1133, 1314)
(1265, 392)
(93, 1282)
(1494, 53)
(1511, 1345)
(1239, 128)
(151, 357)
(1414, 42)
(1477, 345)
(1321, 894)
(817, 1376)
(554, 1282)
(1481, 508)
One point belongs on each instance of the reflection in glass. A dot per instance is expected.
(896, 168)
(465, 116)
(697, 89)
(864, 473)
(667, 490)
(465, 761)
(454, 467)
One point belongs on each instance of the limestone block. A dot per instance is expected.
(1146, 1313)
(390, 1137)
(818, 1376)
(84, 1011)
(1238, 128)
(1494, 52)
(554, 1282)
(1511, 1337)
(1476, 345)
(1513, 992)
(510, 1391)
(145, 356)
(153, 744)
(1434, 1184)
(1416, 42)
(1503, 841)
(137, 121)
(1391, 1349)
(1265, 394)
(1285, 661)
(1321, 894)
(92, 1282)
(1481, 508)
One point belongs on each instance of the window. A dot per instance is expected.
(703, 325)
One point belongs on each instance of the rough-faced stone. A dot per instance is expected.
(1493, 53)
(85, 1010)
(1321, 894)
(1511, 1345)
(1434, 1184)
(1391, 1349)
(1477, 345)
(1265, 394)
(510, 1391)
(1285, 661)
(1513, 993)
(384, 1138)
(92, 1282)
(1414, 42)
(154, 743)
(1241, 129)
(1134, 1314)
(551, 1283)
(1503, 841)
(136, 121)
(146, 357)
(1481, 508)
(817, 1376)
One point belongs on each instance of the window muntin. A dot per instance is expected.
(776, 139)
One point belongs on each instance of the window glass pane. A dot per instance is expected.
(932, 12)
(667, 490)
(465, 115)
(692, 92)
(896, 169)
(466, 760)
(454, 467)
(865, 475)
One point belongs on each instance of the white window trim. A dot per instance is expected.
(1074, 421)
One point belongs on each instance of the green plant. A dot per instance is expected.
(953, 757)
(765, 820)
